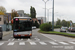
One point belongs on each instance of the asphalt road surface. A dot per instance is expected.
(38, 41)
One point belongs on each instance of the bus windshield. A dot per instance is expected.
(22, 26)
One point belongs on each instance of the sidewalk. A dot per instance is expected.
(7, 32)
(58, 37)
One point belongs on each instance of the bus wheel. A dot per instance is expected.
(29, 37)
(1, 38)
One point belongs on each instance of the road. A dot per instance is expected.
(38, 41)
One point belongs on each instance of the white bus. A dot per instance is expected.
(22, 27)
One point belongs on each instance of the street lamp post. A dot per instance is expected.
(48, 13)
(45, 9)
(53, 16)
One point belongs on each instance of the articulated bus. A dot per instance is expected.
(22, 27)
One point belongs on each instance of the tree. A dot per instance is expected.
(32, 12)
(64, 23)
(27, 14)
(1, 13)
(2, 9)
(14, 14)
(68, 23)
(58, 22)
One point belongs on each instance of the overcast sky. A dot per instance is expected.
(64, 9)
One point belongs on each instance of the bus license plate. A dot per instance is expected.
(22, 35)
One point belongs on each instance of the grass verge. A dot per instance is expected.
(57, 33)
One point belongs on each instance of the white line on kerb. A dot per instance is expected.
(49, 37)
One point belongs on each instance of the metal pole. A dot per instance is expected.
(45, 11)
(53, 17)
(48, 15)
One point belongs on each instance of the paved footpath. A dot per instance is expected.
(7, 32)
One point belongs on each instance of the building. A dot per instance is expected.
(20, 12)
(2, 19)
(40, 20)
(8, 17)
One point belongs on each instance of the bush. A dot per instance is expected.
(45, 27)
(57, 26)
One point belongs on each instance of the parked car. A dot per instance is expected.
(68, 29)
(33, 27)
(1, 32)
(63, 29)
(71, 29)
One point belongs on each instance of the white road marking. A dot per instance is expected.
(32, 43)
(18, 39)
(49, 37)
(21, 39)
(1, 43)
(13, 39)
(53, 43)
(9, 39)
(11, 43)
(72, 42)
(64, 43)
(22, 43)
(28, 39)
(37, 39)
(42, 43)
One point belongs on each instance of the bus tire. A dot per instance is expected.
(1, 38)
(29, 36)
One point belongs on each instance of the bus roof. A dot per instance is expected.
(22, 17)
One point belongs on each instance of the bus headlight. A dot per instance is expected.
(30, 34)
(15, 33)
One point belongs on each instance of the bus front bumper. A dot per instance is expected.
(26, 35)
